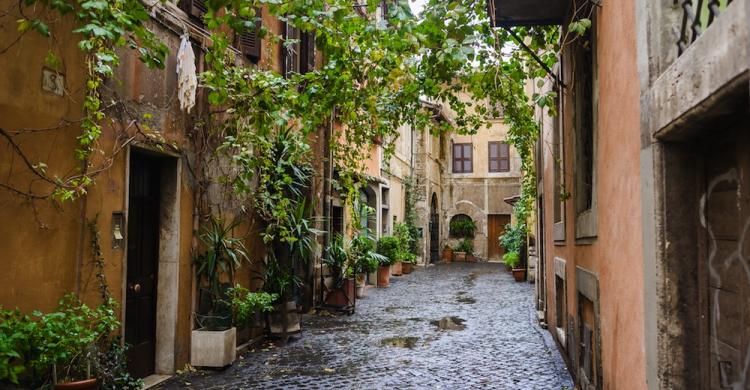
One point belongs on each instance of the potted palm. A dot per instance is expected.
(388, 248)
(338, 259)
(367, 260)
(213, 342)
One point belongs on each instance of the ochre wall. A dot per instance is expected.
(616, 253)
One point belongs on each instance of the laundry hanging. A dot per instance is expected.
(187, 80)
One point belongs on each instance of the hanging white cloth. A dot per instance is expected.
(187, 79)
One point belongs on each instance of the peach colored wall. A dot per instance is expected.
(616, 254)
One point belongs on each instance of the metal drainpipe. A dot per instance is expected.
(327, 179)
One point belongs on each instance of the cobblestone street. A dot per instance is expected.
(449, 326)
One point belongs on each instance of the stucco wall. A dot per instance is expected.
(615, 255)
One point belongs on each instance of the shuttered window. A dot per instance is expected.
(194, 8)
(462, 158)
(250, 43)
(299, 56)
(498, 157)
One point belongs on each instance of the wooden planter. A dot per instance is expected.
(407, 268)
(397, 269)
(87, 384)
(448, 255)
(384, 276)
(459, 256)
(519, 274)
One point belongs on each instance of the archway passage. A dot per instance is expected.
(434, 230)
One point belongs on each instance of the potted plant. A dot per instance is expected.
(367, 259)
(337, 260)
(462, 228)
(387, 247)
(248, 309)
(464, 249)
(513, 240)
(408, 260)
(447, 253)
(213, 342)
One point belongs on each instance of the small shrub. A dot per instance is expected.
(389, 246)
(512, 259)
(465, 246)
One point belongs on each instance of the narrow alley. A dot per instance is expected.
(449, 326)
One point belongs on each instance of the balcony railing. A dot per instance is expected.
(697, 16)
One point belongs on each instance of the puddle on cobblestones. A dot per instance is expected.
(462, 298)
(414, 319)
(450, 323)
(393, 309)
(401, 342)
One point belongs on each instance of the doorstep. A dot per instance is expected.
(153, 380)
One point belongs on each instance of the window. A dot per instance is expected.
(559, 192)
(499, 157)
(195, 8)
(496, 111)
(249, 41)
(462, 158)
(299, 57)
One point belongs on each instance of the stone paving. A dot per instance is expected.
(448, 326)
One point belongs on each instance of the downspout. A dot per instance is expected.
(327, 179)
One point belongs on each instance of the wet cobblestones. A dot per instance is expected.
(449, 326)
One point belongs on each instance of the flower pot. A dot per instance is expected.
(470, 258)
(384, 276)
(459, 256)
(519, 274)
(361, 290)
(396, 269)
(86, 384)
(447, 255)
(284, 318)
(213, 348)
(407, 268)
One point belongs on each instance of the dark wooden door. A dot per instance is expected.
(727, 275)
(434, 230)
(143, 258)
(495, 229)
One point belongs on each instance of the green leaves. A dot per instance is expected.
(580, 26)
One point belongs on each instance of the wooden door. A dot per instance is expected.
(495, 229)
(143, 259)
(727, 275)
(434, 231)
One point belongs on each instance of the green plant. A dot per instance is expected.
(462, 228)
(224, 255)
(407, 257)
(388, 247)
(245, 303)
(367, 259)
(408, 236)
(512, 259)
(112, 371)
(466, 246)
(16, 334)
(514, 238)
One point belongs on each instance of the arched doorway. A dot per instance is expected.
(434, 230)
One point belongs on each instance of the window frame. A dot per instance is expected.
(463, 146)
(499, 158)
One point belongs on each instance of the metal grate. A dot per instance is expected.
(697, 16)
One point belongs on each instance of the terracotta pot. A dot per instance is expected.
(519, 274)
(459, 256)
(344, 295)
(88, 384)
(407, 268)
(448, 255)
(471, 258)
(384, 276)
(396, 269)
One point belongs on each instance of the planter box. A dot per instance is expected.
(384, 276)
(459, 256)
(447, 255)
(213, 348)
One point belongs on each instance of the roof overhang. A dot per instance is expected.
(509, 13)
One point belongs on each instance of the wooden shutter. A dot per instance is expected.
(587, 351)
(196, 8)
(250, 43)
(504, 157)
(291, 52)
(307, 52)
(462, 158)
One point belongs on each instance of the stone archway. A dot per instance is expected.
(477, 215)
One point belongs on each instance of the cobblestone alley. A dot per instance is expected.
(489, 339)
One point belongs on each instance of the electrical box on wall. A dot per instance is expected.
(118, 226)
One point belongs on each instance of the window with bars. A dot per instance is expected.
(499, 157)
(463, 158)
